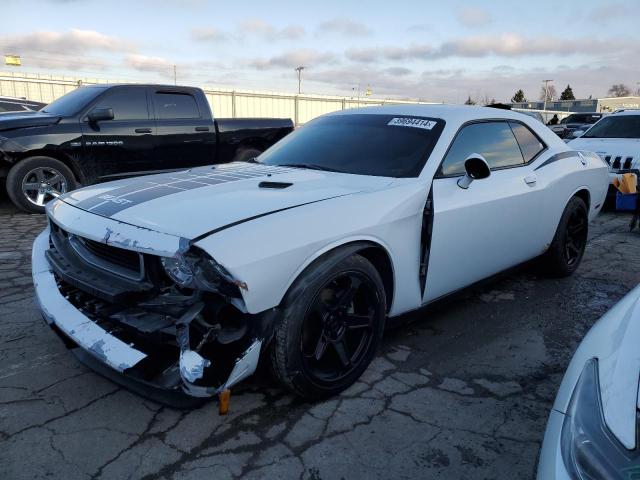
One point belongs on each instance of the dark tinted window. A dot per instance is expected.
(622, 126)
(127, 103)
(493, 140)
(530, 145)
(74, 101)
(362, 144)
(175, 105)
(11, 107)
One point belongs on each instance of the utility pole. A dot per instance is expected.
(299, 70)
(546, 95)
(175, 76)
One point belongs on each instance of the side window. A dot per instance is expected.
(530, 145)
(175, 105)
(127, 104)
(493, 140)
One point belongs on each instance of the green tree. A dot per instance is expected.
(469, 101)
(567, 94)
(518, 97)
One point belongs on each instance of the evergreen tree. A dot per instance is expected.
(567, 94)
(469, 101)
(518, 97)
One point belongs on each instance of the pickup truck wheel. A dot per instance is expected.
(332, 323)
(34, 181)
(567, 248)
(244, 154)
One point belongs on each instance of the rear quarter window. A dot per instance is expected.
(530, 144)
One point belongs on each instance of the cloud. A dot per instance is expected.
(269, 32)
(74, 40)
(208, 34)
(144, 63)
(473, 17)
(398, 71)
(344, 26)
(505, 45)
(305, 57)
(371, 55)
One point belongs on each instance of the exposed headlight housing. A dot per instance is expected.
(589, 449)
(178, 269)
(197, 270)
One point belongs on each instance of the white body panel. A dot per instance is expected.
(613, 340)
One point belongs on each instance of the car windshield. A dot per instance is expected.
(362, 144)
(74, 101)
(623, 126)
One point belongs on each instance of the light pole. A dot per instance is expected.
(546, 95)
(299, 70)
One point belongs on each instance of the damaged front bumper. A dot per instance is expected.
(172, 355)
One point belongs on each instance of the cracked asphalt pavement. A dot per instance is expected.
(461, 389)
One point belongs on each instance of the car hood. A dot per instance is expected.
(613, 340)
(13, 120)
(200, 201)
(608, 146)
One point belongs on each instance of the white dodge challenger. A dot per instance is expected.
(182, 280)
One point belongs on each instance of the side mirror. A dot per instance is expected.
(476, 167)
(100, 114)
(577, 133)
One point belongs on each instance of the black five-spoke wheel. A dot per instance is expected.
(332, 323)
(576, 237)
(338, 326)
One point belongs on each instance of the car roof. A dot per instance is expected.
(626, 112)
(449, 113)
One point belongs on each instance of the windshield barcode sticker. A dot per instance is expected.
(412, 122)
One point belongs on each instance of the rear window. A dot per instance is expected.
(175, 105)
(622, 126)
(362, 144)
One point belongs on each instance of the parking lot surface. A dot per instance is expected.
(461, 390)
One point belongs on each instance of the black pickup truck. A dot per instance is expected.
(106, 132)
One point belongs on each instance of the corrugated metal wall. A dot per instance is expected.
(224, 103)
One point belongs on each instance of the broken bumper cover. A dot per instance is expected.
(120, 356)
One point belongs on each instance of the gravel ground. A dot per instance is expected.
(461, 390)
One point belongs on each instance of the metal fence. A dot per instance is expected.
(224, 102)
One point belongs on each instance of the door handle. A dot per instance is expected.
(202, 129)
(530, 180)
(143, 130)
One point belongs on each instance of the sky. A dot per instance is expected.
(428, 50)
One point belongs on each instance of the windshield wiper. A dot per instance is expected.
(309, 166)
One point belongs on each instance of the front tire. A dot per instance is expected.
(332, 323)
(34, 181)
(568, 245)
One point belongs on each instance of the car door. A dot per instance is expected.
(492, 225)
(124, 145)
(185, 132)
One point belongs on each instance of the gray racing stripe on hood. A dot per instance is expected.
(127, 196)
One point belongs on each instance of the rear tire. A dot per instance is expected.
(332, 323)
(34, 181)
(244, 154)
(568, 245)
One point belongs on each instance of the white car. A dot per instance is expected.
(616, 138)
(182, 280)
(593, 428)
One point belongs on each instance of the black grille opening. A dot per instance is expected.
(119, 256)
(627, 163)
(616, 162)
